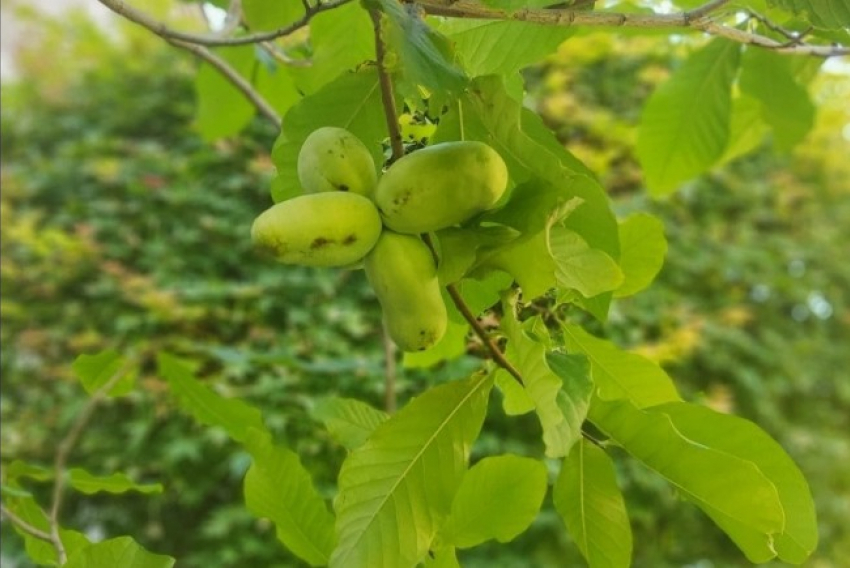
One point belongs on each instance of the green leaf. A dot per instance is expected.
(276, 86)
(85, 482)
(685, 124)
(425, 55)
(352, 101)
(222, 109)
(733, 491)
(445, 557)
(642, 251)
(234, 415)
(122, 551)
(395, 489)
(747, 130)
(580, 267)
(619, 374)
(503, 47)
(829, 14)
(498, 499)
(342, 39)
(459, 248)
(19, 468)
(349, 421)
(39, 551)
(94, 371)
(745, 440)
(279, 488)
(587, 497)
(785, 104)
(271, 14)
(559, 386)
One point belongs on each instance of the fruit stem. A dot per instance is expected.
(387, 95)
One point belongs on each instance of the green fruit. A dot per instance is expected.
(319, 229)
(440, 186)
(404, 276)
(334, 159)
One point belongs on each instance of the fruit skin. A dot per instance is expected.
(404, 276)
(334, 159)
(319, 229)
(440, 186)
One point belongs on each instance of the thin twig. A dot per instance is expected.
(25, 526)
(390, 112)
(390, 371)
(282, 58)
(160, 29)
(234, 77)
(698, 19)
(64, 450)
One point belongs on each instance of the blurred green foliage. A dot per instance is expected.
(121, 228)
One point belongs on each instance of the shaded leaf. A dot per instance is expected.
(222, 110)
(828, 14)
(348, 420)
(85, 482)
(270, 14)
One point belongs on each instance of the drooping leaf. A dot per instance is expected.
(122, 551)
(278, 487)
(222, 109)
(741, 438)
(558, 386)
(271, 14)
(503, 47)
(396, 489)
(425, 55)
(732, 490)
(498, 499)
(589, 501)
(352, 101)
(232, 414)
(94, 371)
(642, 251)
(85, 482)
(685, 124)
(580, 267)
(828, 14)
(619, 374)
(785, 104)
(348, 420)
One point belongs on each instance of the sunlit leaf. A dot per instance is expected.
(94, 371)
(222, 109)
(85, 482)
(122, 551)
(348, 420)
(642, 251)
(578, 266)
(270, 14)
(829, 14)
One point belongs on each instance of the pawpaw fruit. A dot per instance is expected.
(334, 159)
(402, 271)
(440, 186)
(319, 229)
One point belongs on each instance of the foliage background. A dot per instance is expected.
(122, 228)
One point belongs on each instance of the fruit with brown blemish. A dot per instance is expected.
(401, 269)
(319, 229)
(334, 159)
(440, 186)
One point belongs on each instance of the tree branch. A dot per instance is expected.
(234, 77)
(698, 19)
(390, 111)
(25, 526)
(159, 28)
(64, 451)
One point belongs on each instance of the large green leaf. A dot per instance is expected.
(270, 14)
(122, 551)
(587, 497)
(234, 415)
(498, 498)
(279, 488)
(747, 441)
(94, 371)
(222, 109)
(829, 14)
(580, 267)
(85, 482)
(40, 551)
(619, 374)
(397, 488)
(348, 420)
(502, 47)
(747, 129)
(352, 101)
(732, 490)
(558, 386)
(425, 55)
(642, 251)
(785, 104)
(685, 124)
(342, 39)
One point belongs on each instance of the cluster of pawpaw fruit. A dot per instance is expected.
(348, 215)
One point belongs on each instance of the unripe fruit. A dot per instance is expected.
(404, 276)
(440, 186)
(320, 229)
(334, 159)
